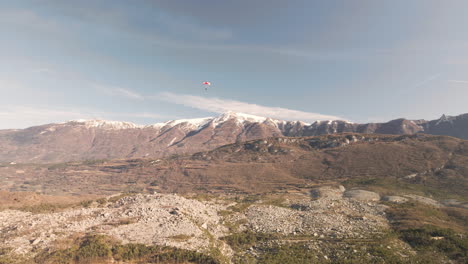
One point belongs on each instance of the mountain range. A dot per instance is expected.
(99, 139)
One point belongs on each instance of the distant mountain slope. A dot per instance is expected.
(438, 164)
(96, 139)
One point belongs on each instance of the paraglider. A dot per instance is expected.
(206, 85)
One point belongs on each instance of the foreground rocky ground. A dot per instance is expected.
(325, 224)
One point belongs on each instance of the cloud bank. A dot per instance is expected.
(217, 105)
(14, 117)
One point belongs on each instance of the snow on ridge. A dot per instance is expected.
(239, 117)
(446, 118)
(104, 124)
(194, 123)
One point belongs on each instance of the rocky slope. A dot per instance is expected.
(330, 226)
(91, 140)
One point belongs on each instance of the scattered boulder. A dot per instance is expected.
(362, 195)
(395, 199)
(329, 192)
(424, 200)
(455, 203)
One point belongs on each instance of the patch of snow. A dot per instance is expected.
(445, 118)
(242, 118)
(104, 124)
(49, 129)
(194, 122)
(172, 141)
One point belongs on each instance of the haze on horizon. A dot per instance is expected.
(144, 61)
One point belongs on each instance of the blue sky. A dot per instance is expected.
(144, 61)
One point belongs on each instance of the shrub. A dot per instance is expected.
(102, 249)
(431, 238)
(101, 201)
(94, 247)
(247, 239)
(86, 203)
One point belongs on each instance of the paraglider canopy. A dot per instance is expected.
(206, 85)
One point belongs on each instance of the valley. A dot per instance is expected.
(342, 198)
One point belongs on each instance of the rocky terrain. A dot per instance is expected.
(333, 223)
(93, 139)
(346, 198)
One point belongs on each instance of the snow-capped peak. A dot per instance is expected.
(445, 118)
(239, 117)
(191, 124)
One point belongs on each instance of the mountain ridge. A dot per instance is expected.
(101, 139)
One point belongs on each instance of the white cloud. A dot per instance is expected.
(217, 105)
(10, 84)
(26, 116)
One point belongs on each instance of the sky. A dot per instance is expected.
(144, 61)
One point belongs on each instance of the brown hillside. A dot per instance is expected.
(436, 163)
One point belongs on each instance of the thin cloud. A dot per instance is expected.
(118, 91)
(182, 27)
(458, 81)
(129, 94)
(218, 105)
(197, 40)
(428, 80)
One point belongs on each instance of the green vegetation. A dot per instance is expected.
(57, 207)
(435, 233)
(101, 201)
(279, 202)
(243, 203)
(86, 203)
(433, 239)
(394, 186)
(297, 253)
(247, 239)
(234, 226)
(124, 221)
(90, 249)
(114, 199)
(94, 162)
(202, 197)
(6, 257)
(58, 166)
(432, 245)
(413, 215)
(94, 247)
(44, 208)
(102, 249)
(181, 237)
(331, 252)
